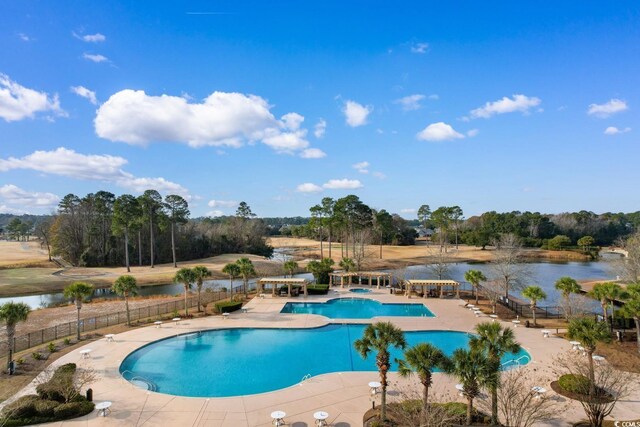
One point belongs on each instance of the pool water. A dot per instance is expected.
(356, 308)
(360, 291)
(234, 362)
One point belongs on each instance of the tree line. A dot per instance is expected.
(101, 229)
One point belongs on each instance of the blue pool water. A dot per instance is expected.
(360, 291)
(356, 308)
(233, 362)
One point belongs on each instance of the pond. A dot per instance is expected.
(543, 274)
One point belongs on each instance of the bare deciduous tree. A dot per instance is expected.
(507, 265)
(438, 263)
(492, 289)
(610, 384)
(518, 406)
(629, 267)
(407, 410)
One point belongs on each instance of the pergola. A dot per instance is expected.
(369, 275)
(275, 281)
(429, 284)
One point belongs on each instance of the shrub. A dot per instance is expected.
(67, 341)
(228, 306)
(20, 361)
(36, 355)
(318, 289)
(23, 407)
(51, 347)
(59, 384)
(73, 409)
(45, 408)
(578, 384)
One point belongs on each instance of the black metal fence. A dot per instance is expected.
(63, 330)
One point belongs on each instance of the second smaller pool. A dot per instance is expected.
(360, 291)
(356, 308)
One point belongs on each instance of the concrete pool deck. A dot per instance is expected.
(345, 396)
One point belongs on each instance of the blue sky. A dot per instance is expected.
(487, 105)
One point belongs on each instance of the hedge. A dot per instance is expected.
(228, 306)
(62, 377)
(48, 405)
(578, 384)
(318, 289)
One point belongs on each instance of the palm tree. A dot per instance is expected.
(475, 277)
(290, 266)
(631, 308)
(379, 337)
(589, 333)
(232, 270)
(78, 291)
(126, 286)
(246, 270)
(475, 370)
(347, 264)
(201, 272)
(11, 313)
(422, 359)
(567, 286)
(186, 276)
(534, 294)
(606, 293)
(496, 341)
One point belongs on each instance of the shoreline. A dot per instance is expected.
(55, 279)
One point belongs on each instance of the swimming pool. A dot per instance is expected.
(356, 308)
(360, 291)
(234, 362)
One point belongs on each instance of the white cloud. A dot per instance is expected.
(356, 114)
(420, 47)
(342, 184)
(320, 128)
(361, 167)
(379, 175)
(438, 132)
(9, 210)
(517, 102)
(473, 132)
(215, 213)
(94, 167)
(95, 57)
(292, 121)
(608, 108)
(24, 37)
(18, 102)
(85, 93)
(434, 96)
(222, 203)
(411, 102)
(312, 153)
(308, 187)
(90, 38)
(408, 210)
(612, 130)
(13, 195)
(221, 119)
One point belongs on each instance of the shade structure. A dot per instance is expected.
(349, 277)
(276, 281)
(428, 285)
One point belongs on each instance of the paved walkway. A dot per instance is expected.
(345, 396)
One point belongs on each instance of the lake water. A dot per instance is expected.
(543, 274)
